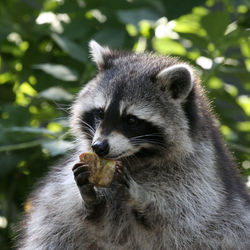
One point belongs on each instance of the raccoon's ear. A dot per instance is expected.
(99, 54)
(177, 79)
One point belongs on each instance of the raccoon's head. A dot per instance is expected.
(134, 106)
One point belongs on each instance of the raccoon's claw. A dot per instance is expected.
(94, 205)
(81, 174)
(122, 175)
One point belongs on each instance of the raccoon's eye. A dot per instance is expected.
(132, 120)
(99, 114)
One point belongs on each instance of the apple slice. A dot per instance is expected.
(101, 170)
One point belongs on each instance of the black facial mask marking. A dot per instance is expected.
(138, 131)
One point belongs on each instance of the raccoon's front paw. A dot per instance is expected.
(81, 175)
(94, 205)
(130, 190)
(122, 182)
(122, 176)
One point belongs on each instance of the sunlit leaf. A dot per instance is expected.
(215, 82)
(167, 46)
(58, 71)
(244, 102)
(190, 23)
(57, 147)
(56, 94)
(54, 127)
(244, 126)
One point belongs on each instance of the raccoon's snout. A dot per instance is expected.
(101, 147)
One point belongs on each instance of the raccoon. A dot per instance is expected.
(178, 187)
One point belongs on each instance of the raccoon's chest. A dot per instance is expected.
(119, 230)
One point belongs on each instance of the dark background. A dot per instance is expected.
(44, 61)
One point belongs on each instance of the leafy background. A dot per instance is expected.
(44, 62)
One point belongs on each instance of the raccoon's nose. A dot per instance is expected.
(101, 147)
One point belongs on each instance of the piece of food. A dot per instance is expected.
(101, 170)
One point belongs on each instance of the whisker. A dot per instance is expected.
(63, 107)
(64, 135)
(147, 140)
(88, 126)
(147, 135)
(61, 118)
(131, 161)
(90, 134)
(155, 142)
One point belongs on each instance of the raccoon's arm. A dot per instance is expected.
(142, 202)
(94, 204)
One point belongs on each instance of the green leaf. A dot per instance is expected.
(168, 46)
(57, 147)
(215, 24)
(21, 146)
(176, 8)
(58, 71)
(103, 37)
(15, 115)
(136, 15)
(190, 23)
(197, 41)
(29, 130)
(71, 48)
(8, 163)
(6, 93)
(56, 94)
(244, 102)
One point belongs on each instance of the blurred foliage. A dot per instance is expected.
(44, 62)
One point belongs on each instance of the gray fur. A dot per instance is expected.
(187, 197)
